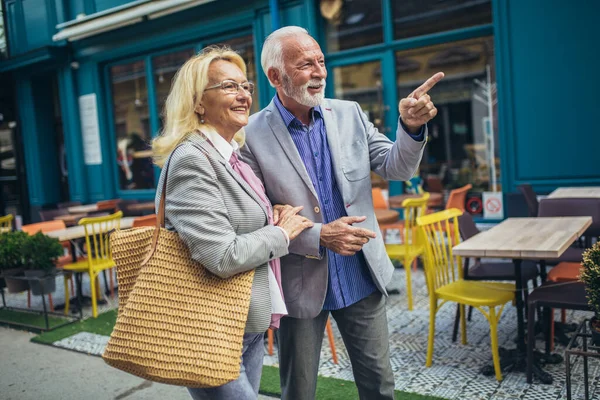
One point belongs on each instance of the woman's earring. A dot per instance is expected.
(201, 118)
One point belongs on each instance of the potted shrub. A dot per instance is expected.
(11, 259)
(40, 253)
(590, 276)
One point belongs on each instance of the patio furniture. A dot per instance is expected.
(458, 197)
(570, 296)
(530, 199)
(587, 350)
(565, 207)
(146, 220)
(67, 204)
(523, 238)
(50, 215)
(6, 223)
(486, 270)
(591, 192)
(99, 257)
(445, 283)
(413, 242)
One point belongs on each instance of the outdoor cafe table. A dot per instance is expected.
(540, 239)
(386, 216)
(591, 192)
(84, 209)
(78, 232)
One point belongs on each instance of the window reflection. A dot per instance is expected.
(421, 17)
(461, 148)
(164, 68)
(130, 110)
(352, 23)
(3, 31)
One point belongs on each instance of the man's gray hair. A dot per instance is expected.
(272, 51)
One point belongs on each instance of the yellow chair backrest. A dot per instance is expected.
(413, 208)
(97, 235)
(6, 223)
(441, 266)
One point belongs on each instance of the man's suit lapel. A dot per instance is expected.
(284, 138)
(203, 144)
(333, 139)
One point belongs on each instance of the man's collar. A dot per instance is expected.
(287, 116)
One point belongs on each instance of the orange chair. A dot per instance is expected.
(458, 197)
(146, 220)
(48, 226)
(329, 331)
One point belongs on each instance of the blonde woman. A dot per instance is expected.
(216, 203)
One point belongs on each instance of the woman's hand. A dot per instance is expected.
(281, 210)
(290, 221)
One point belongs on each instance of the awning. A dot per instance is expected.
(119, 17)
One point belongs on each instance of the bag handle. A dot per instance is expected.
(160, 217)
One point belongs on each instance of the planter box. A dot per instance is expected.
(15, 285)
(46, 284)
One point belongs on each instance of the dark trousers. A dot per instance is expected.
(364, 329)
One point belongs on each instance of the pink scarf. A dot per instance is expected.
(252, 180)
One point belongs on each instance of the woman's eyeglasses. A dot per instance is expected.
(232, 87)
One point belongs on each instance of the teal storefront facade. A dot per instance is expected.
(89, 79)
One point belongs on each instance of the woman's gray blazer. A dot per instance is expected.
(222, 220)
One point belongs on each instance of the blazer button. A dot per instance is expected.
(317, 210)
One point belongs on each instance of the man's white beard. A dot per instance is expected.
(300, 93)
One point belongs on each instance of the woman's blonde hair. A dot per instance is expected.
(180, 116)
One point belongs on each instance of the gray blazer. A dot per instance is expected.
(357, 148)
(221, 220)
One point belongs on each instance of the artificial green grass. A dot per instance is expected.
(23, 317)
(327, 388)
(103, 325)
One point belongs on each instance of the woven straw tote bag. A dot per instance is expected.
(177, 323)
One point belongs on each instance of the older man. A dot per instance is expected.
(319, 153)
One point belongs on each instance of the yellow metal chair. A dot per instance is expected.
(99, 256)
(445, 281)
(6, 223)
(413, 243)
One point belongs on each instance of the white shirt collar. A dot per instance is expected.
(224, 148)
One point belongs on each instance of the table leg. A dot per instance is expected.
(516, 359)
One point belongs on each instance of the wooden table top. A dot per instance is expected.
(87, 208)
(386, 216)
(396, 201)
(146, 206)
(70, 219)
(78, 232)
(525, 238)
(592, 192)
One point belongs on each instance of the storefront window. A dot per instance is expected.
(132, 127)
(3, 39)
(244, 45)
(352, 23)
(463, 146)
(164, 68)
(421, 17)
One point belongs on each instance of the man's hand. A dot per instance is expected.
(417, 109)
(343, 238)
(280, 211)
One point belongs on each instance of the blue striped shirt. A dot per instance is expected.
(349, 278)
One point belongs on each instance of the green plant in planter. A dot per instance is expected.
(40, 253)
(12, 261)
(590, 276)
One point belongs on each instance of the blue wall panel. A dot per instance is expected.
(37, 128)
(550, 61)
(36, 23)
